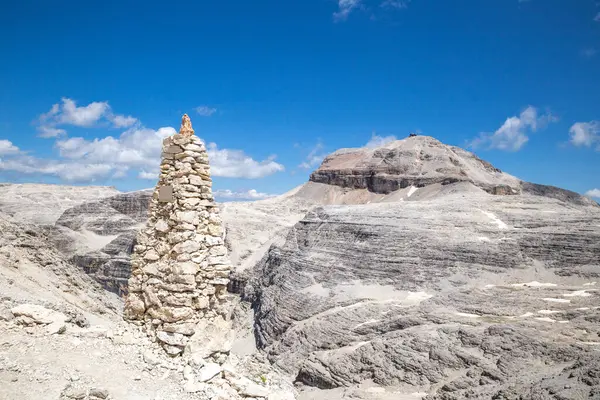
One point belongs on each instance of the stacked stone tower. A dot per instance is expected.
(180, 268)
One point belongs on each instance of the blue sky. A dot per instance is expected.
(87, 89)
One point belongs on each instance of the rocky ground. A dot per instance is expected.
(62, 336)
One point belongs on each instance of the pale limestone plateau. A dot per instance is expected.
(43, 204)
(415, 270)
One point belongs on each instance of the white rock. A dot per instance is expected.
(188, 373)
(39, 314)
(151, 255)
(193, 387)
(185, 268)
(189, 246)
(173, 339)
(196, 180)
(162, 226)
(195, 147)
(248, 388)
(150, 358)
(209, 371)
(211, 337)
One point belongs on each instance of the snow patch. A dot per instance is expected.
(548, 312)
(556, 300)
(545, 319)
(462, 314)
(495, 219)
(527, 314)
(411, 191)
(577, 293)
(371, 321)
(534, 284)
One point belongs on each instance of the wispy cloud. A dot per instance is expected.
(143, 174)
(395, 4)
(251, 194)
(345, 7)
(597, 17)
(593, 193)
(586, 134)
(513, 134)
(205, 111)
(379, 141)
(589, 52)
(314, 157)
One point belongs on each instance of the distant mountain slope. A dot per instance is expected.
(43, 204)
(421, 161)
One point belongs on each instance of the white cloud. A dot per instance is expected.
(68, 113)
(7, 148)
(137, 149)
(379, 141)
(345, 7)
(585, 133)
(512, 135)
(597, 17)
(251, 194)
(395, 4)
(85, 160)
(121, 121)
(314, 158)
(68, 171)
(229, 163)
(205, 111)
(81, 116)
(148, 175)
(589, 52)
(50, 132)
(593, 193)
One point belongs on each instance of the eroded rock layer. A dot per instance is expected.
(464, 295)
(180, 267)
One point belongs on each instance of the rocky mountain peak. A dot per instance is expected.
(418, 161)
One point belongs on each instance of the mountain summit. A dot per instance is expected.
(420, 161)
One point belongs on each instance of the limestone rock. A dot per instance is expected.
(38, 314)
(209, 371)
(247, 388)
(211, 337)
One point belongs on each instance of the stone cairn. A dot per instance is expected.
(179, 267)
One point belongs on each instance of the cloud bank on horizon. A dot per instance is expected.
(138, 148)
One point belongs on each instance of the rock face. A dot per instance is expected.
(415, 161)
(180, 268)
(421, 161)
(460, 294)
(99, 236)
